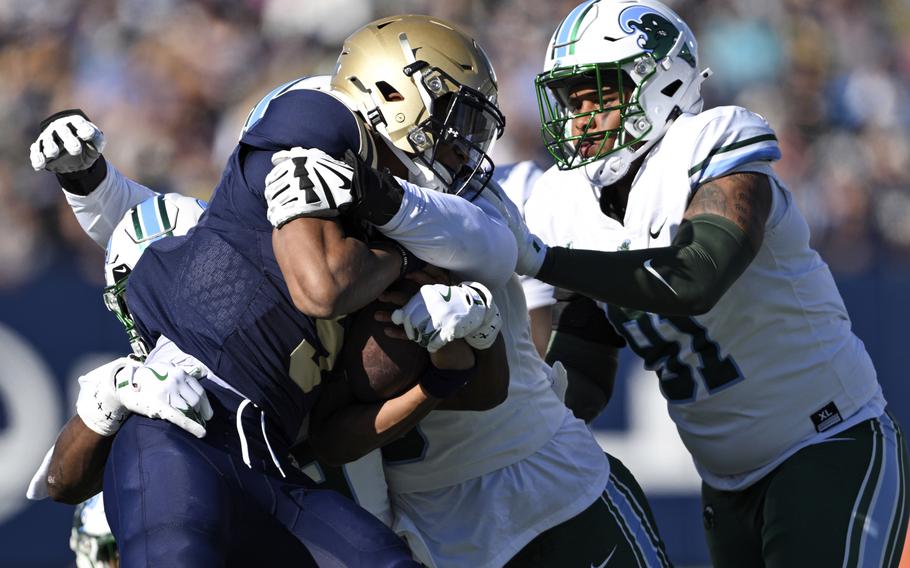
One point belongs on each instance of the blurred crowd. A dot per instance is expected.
(171, 81)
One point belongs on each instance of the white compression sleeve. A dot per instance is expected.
(468, 238)
(100, 211)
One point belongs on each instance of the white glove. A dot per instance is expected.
(82, 143)
(484, 336)
(439, 314)
(531, 250)
(306, 182)
(97, 403)
(109, 393)
(166, 392)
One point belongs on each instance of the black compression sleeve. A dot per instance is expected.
(686, 278)
(85, 181)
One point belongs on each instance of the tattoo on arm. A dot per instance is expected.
(744, 198)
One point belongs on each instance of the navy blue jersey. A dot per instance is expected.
(219, 294)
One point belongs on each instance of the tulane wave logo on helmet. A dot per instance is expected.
(656, 33)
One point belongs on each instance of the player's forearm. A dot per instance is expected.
(357, 429)
(101, 207)
(328, 274)
(452, 233)
(491, 385)
(687, 278)
(77, 464)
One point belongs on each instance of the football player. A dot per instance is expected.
(242, 298)
(522, 483)
(703, 262)
(109, 394)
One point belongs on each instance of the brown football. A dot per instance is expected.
(379, 367)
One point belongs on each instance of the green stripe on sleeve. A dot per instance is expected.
(136, 224)
(730, 148)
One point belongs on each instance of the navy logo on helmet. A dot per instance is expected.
(656, 33)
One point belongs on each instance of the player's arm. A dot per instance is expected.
(441, 314)
(438, 228)
(329, 274)
(468, 238)
(588, 348)
(489, 388)
(70, 146)
(107, 396)
(721, 233)
(343, 429)
(76, 468)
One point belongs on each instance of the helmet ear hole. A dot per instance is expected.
(671, 89)
(389, 93)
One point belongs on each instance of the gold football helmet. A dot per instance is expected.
(429, 91)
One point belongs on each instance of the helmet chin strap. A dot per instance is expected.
(608, 170)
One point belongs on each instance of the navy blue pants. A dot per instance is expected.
(174, 500)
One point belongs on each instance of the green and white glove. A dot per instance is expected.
(439, 314)
(166, 392)
(108, 394)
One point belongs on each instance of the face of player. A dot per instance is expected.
(597, 116)
(464, 125)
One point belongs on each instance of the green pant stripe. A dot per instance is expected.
(645, 520)
(886, 499)
(863, 500)
(898, 525)
(626, 531)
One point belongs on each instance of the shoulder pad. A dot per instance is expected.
(723, 139)
(310, 119)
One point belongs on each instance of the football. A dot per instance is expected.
(377, 366)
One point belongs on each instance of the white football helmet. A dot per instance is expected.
(156, 217)
(637, 46)
(429, 91)
(91, 538)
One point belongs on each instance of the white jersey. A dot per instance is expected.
(774, 363)
(453, 479)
